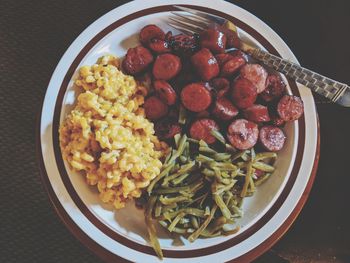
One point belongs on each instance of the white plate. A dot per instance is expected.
(122, 234)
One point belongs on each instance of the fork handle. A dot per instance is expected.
(322, 85)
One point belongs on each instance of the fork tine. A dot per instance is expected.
(204, 15)
(191, 19)
(181, 29)
(186, 25)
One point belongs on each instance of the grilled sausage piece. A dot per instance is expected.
(205, 64)
(275, 88)
(155, 108)
(165, 91)
(224, 109)
(137, 60)
(257, 74)
(223, 58)
(214, 40)
(257, 113)
(167, 128)
(183, 45)
(159, 46)
(272, 138)
(232, 66)
(201, 130)
(196, 97)
(242, 134)
(150, 32)
(243, 93)
(290, 108)
(166, 66)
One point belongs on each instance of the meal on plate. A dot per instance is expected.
(183, 126)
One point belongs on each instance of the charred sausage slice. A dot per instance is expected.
(159, 46)
(290, 108)
(214, 40)
(243, 134)
(257, 74)
(205, 64)
(165, 91)
(257, 113)
(167, 128)
(243, 93)
(155, 108)
(196, 97)
(201, 130)
(272, 138)
(223, 58)
(137, 60)
(166, 66)
(224, 109)
(275, 88)
(150, 32)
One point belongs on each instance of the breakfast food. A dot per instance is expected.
(106, 135)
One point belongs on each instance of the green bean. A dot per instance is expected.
(170, 190)
(180, 179)
(208, 172)
(159, 176)
(218, 136)
(175, 221)
(151, 228)
(265, 155)
(182, 115)
(238, 155)
(167, 158)
(222, 188)
(183, 159)
(230, 148)
(193, 140)
(207, 149)
(202, 143)
(252, 154)
(180, 148)
(204, 159)
(158, 209)
(206, 222)
(221, 156)
(236, 210)
(221, 204)
(251, 184)
(263, 167)
(188, 211)
(183, 169)
(223, 166)
(177, 138)
(262, 179)
(246, 182)
(194, 222)
(177, 230)
(171, 200)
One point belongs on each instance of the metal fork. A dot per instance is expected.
(191, 21)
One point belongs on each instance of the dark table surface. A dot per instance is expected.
(34, 35)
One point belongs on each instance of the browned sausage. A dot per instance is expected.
(224, 109)
(205, 64)
(272, 138)
(223, 58)
(137, 60)
(257, 74)
(214, 40)
(220, 83)
(155, 108)
(166, 66)
(243, 93)
(167, 128)
(242, 134)
(196, 97)
(159, 46)
(165, 91)
(150, 32)
(290, 108)
(232, 39)
(184, 45)
(232, 66)
(201, 130)
(257, 113)
(275, 88)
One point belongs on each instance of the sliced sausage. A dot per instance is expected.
(223, 58)
(224, 109)
(205, 64)
(165, 91)
(196, 97)
(155, 108)
(220, 83)
(167, 128)
(232, 39)
(257, 113)
(213, 39)
(184, 45)
(275, 88)
(159, 46)
(150, 32)
(201, 130)
(290, 108)
(137, 60)
(243, 93)
(242, 134)
(232, 66)
(257, 74)
(272, 138)
(166, 66)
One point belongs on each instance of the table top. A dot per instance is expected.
(35, 34)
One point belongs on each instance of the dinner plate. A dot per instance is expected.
(122, 235)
